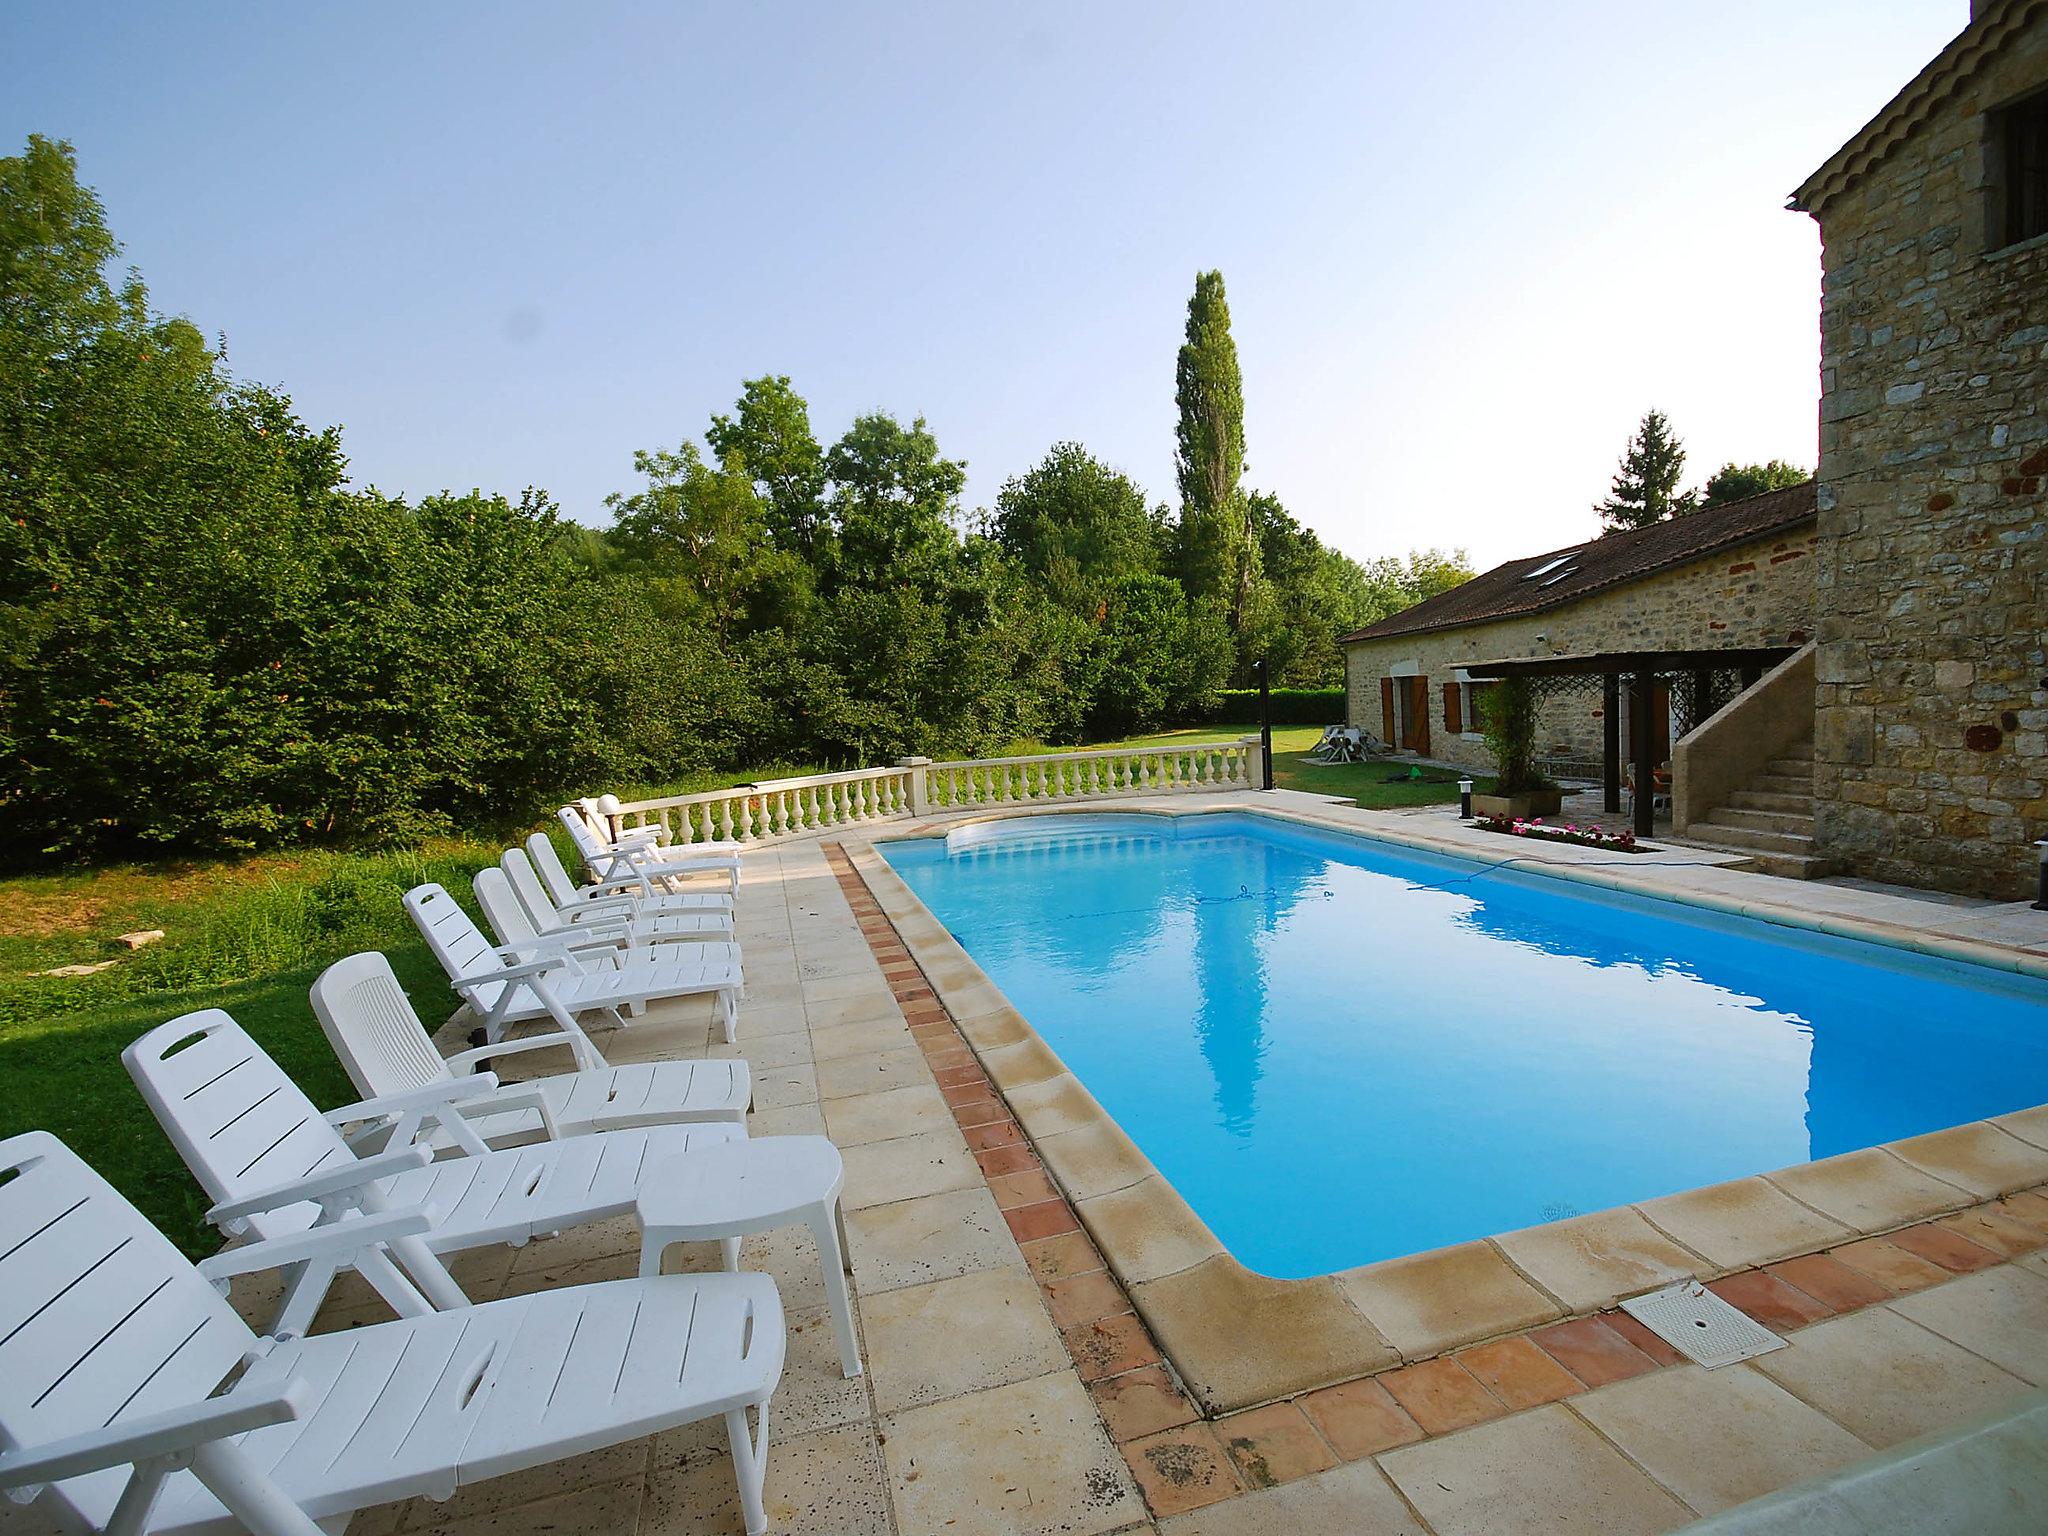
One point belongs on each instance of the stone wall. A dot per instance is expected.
(1931, 578)
(1759, 593)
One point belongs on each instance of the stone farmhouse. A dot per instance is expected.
(1912, 574)
(1738, 575)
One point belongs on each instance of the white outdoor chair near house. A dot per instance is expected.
(512, 984)
(666, 867)
(381, 1042)
(633, 886)
(635, 929)
(1339, 744)
(134, 1400)
(276, 1166)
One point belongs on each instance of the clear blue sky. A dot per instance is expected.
(1465, 246)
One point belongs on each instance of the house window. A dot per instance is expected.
(1474, 705)
(2020, 134)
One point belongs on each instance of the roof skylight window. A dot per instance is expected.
(1549, 566)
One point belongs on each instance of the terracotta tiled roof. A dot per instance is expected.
(1993, 25)
(1559, 576)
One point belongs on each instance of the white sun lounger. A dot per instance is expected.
(277, 1166)
(116, 1353)
(670, 868)
(632, 886)
(371, 1024)
(655, 919)
(515, 924)
(512, 984)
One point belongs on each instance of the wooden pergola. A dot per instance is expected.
(1642, 669)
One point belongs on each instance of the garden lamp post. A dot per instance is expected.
(1465, 798)
(1265, 730)
(2041, 881)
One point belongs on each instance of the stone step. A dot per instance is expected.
(1790, 866)
(1794, 822)
(1782, 784)
(1791, 768)
(1749, 840)
(1803, 750)
(1765, 800)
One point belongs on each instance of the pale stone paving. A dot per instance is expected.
(971, 1417)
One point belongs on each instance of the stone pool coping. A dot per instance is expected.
(1239, 1339)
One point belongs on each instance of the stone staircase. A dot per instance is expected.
(1770, 818)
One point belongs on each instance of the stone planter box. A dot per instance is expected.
(1535, 802)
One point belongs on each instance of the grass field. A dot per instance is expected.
(1376, 786)
(250, 935)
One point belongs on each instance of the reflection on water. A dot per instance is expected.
(1339, 1053)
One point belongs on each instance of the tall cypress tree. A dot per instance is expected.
(1219, 556)
(1645, 488)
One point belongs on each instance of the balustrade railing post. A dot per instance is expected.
(1258, 762)
(920, 794)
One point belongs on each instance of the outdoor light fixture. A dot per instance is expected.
(1265, 731)
(1465, 810)
(2041, 883)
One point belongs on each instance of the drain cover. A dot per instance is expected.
(1700, 1325)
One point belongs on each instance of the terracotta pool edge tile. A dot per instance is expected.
(1182, 1469)
(1115, 1343)
(1944, 1247)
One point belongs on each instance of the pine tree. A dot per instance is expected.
(1219, 556)
(1645, 489)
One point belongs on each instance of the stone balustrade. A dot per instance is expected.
(917, 786)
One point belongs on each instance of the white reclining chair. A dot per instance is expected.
(659, 921)
(134, 1400)
(515, 923)
(666, 867)
(276, 1166)
(606, 816)
(515, 983)
(632, 886)
(371, 1024)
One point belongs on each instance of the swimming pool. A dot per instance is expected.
(1340, 1050)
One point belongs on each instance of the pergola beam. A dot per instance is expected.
(1608, 663)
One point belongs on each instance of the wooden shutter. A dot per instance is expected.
(1418, 712)
(1452, 723)
(1387, 711)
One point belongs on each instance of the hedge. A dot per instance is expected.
(1290, 706)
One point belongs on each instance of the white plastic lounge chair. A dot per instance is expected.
(605, 814)
(116, 1354)
(669, 868)
(276, 1166)
(621, 924)
(515, 983)
(633, 886)
(371, 1024)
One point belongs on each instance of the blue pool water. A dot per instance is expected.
(1339, 1050)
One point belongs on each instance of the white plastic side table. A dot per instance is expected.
(728, 1191)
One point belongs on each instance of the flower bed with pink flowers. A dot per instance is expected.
(1623, 841)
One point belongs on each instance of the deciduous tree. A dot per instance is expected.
(895, 503)
(1739, 482)
(1073, 523)
(769, 433)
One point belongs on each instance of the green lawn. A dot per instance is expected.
(1376, 786)
(250, 935)
(246, 936)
